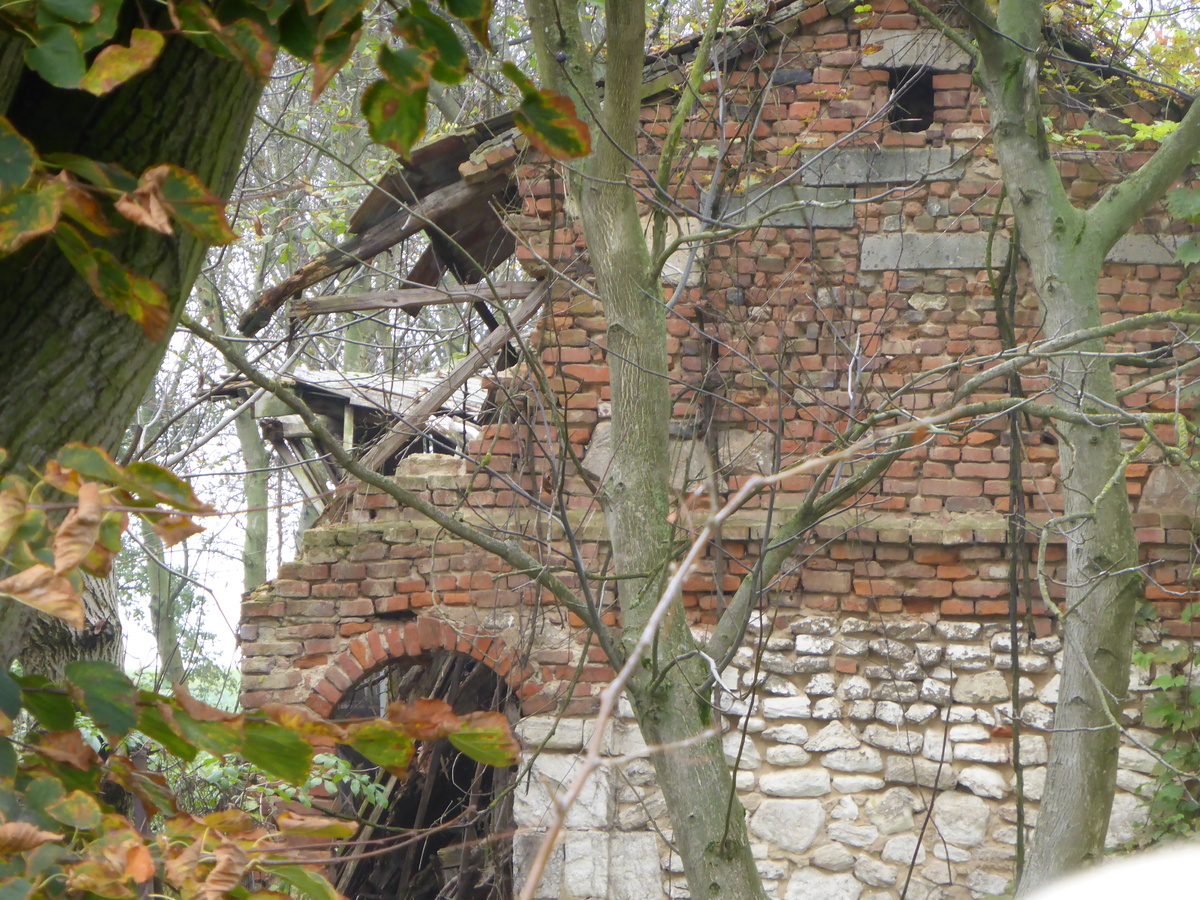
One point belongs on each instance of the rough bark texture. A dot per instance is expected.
(255, 485)
(49, 644)
(708, 822)
(1065, 248)
(71, 370)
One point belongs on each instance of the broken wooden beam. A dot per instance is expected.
(408, 299)
(413, 419)
(447, 201)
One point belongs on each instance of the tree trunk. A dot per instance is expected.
(255, 484)
(71, 370)
(1065, 248)
(49, 643)
(707, 820)
(164, 614)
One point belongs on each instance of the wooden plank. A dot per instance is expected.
(408, 299)
(440, 204)
(415, 416)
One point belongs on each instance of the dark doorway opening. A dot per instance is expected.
(465, 807)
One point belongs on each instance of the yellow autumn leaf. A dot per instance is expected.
(45, 590)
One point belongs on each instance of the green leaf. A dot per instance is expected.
(119, 289)
(333, 52)
(42, 793)
(57, 56)
(153, 724)
(548, 119)
(424, 30)
(77, 809)
(17, 158)
(92, 463)
(102, 29)
(382, 743)
(109, 697)
(475, 14)
(310, 884)
(47, 703)
(8, 759)
(148, 480)
(1188, 252)
(190, 203)
(298, 31)
(486, 738)
(10, 696)
(277, 751)
(105, 175)
(15, 889)
(395, 116)
(81, 11)
(1184, 203)
(27, 215)
(253, 44)
(217, 738)
(115, 65)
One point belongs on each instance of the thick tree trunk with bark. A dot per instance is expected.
(71, 370)
(1065, 248)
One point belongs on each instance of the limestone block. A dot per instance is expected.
(645, 809)
(857, 784)
(991, 752)
(900, 691)
(861, 710)
(986, 687)
(732, 744)
(854, 835)
(923, 49)
(903, 850)
(633, 867)
(987, 883)
(525, 848)
(788, 755)
(810, 207)
(968, 733)
(873, 872)
(919, 713)
(855, 688)
(892, 651)
(552, 772)
(878, 165)
(1148, 249)
(984, 782)
(823, 625)
(809, 884)
(808, 782)
(860, 760)
(788, 824)
(845, 809)
(585, 864)
(833, 857)
(834, 736)
(1049, 694)
(550, 733)
(889, 712)
(893, 739)
(787, 734)
(821, 686)
(911, 251)
(923, 772)
(1128, 816)
(892, 813)
(826, 709)
(961, 819)
(812, 645)
(786, 708)
(958, 631)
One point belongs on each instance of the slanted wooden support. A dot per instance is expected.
(448, 201)
(412, 420)
(408, 299)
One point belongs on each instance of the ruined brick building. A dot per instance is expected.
(876, 674)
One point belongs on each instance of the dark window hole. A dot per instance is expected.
(912, 99)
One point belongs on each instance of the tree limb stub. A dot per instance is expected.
(413, 418)
(408, 299)
(447, 201)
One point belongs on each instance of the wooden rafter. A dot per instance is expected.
(408, 299)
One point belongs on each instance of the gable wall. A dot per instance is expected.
(881, 656)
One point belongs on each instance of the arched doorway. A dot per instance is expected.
(464, 808)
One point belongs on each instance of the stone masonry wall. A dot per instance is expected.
(869, 711)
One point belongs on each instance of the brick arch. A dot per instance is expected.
(392, 642)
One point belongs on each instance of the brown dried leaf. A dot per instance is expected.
(230, 821)
(201, 712)
(80, 529)
(181, 867)
(145, 206)
(19, 837)
(12, 511)
(45, 590)
(315, 826)
(67, 747)
(303, 721)
(227, 873)
(425, 720)
(173, 529)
